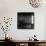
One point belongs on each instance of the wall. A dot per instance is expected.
(9, 8)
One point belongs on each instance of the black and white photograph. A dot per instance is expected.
(25, 20)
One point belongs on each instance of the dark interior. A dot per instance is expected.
(24, 20)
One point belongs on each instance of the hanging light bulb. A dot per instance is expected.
(36, 3)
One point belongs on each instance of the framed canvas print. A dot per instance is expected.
(25, 20)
